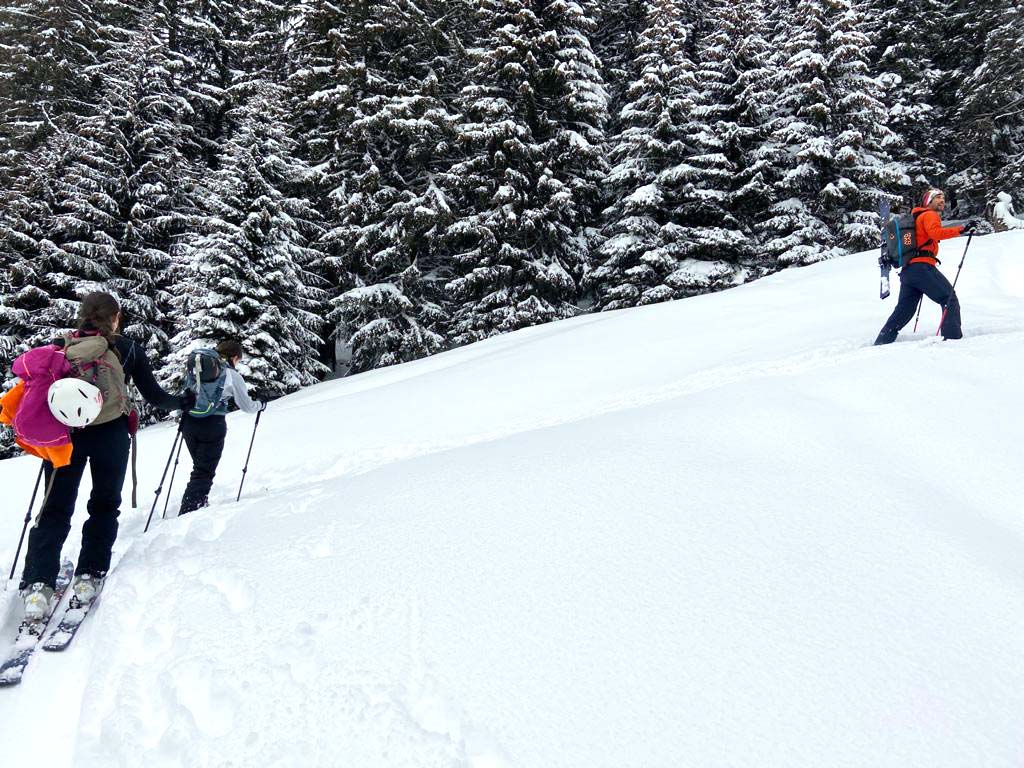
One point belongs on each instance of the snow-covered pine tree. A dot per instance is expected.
(957, 50)
(199, 59)
(748, 143)
(833, 125)
(326, 86)
(989, 146)
(156, 202)
(731, 178)
(905, 40)
(525, 183)
(400, 137)
(643, 243)
(120, 193)
(48, 51)
(865, 145)
(61, 173)
(259, 39)
(246, 268)
(796, 229)
(619, 25)
(58, 234)
(575, 100)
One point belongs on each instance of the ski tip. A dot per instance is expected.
(11, 676)
(58, 641)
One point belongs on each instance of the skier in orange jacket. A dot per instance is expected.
(922, 275)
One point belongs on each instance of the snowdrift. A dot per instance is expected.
(724, 531)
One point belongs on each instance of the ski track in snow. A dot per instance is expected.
(175, 708)
(641, 397)
(326, 620)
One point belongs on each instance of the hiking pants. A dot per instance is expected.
(205, 441)
(915, 280)
(105, 448)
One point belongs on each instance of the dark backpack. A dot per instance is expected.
(901, 239)
(205, 375)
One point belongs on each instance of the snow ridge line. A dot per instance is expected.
(371, 459)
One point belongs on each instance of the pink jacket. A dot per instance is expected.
(33, 423)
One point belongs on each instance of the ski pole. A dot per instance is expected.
(246, 467)
(28, 519)
(167, 499)
(952, 293)
(167, 466)
(919, 303)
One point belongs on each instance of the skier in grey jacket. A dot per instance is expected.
(205, 436)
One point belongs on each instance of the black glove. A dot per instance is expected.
(187, 401)
(970, 227)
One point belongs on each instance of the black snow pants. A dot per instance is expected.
(205, 441)
(105, 448)
(915, 280)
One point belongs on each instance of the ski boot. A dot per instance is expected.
(84, 589)
(38, 599)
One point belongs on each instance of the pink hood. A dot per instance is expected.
(33, 423)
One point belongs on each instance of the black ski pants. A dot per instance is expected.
(205, 441)
(105, 449)
(915, 280)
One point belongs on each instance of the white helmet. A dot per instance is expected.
(74, 402)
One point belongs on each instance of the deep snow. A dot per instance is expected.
(724, 531)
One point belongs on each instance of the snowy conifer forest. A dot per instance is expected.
(347, 185)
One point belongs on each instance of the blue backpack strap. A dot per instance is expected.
(899, 243)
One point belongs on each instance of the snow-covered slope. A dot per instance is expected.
(724, 531)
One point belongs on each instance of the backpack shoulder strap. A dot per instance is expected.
(127, 359)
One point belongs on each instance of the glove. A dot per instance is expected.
(187, 401)
(970, 227)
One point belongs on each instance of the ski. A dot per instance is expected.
(72, 619)
(30, 632)
(883, 261)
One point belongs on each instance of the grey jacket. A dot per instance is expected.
(234, 387)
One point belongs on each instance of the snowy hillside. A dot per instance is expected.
(724, 531)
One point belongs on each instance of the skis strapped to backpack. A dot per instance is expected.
(883, 259)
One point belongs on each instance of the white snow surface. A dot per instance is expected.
(722, 531)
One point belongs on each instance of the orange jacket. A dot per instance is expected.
(59, 456)
(929, 232)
